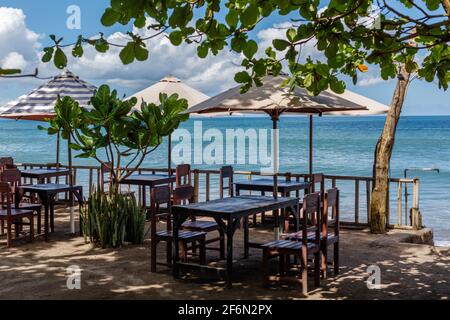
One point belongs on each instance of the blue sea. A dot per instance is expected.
(342, 146)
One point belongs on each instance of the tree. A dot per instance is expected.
(112, 128)
(348, 32)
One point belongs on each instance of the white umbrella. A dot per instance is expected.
(274, 99)
(170, 85)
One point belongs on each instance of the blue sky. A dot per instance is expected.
(44, 17)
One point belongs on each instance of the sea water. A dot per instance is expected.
(342, 146)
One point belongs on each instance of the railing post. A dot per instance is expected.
(368, 195)
(416, 216)
(399, 203)
(196, 185)
(207, 185)
(356, 201)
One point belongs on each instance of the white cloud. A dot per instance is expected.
(14, 60)
(370, 81)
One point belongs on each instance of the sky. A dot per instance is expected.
(26, 24)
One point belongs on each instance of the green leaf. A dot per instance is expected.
(202, 51)
(280, 44)
(110, 17)
(291, 34)
(250, 49)
(60, 59)
(433, 4)
(232, 18)
(48, 55)
(127, 54)
(337, 86)
(242, 77)
(140, 52)
(250, 15)
(5, 72)
(176, 37)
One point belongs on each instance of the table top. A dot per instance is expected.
(239, 205)
(44, 173)
(149, 179)
(267, 185)
(48, 187)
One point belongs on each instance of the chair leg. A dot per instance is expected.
(336, 258)
(281, 262)
(169, 249)
(153, 255)
(8, 234)
(222, 245)
(317, 269)
(202, 252)
(265, 268)
(16, 228)
(31, 228)
(324, 258)
(2, 228)
(183, 253)
(304, 269)
(39, 216)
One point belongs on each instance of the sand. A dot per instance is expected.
(39, 270)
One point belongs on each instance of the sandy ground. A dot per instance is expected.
(39, 271)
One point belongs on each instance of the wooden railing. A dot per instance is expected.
(355, 190)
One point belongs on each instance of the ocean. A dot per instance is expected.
(342, 146)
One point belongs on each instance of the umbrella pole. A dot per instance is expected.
(277, 228)
(169, 165)
(58, 141)
(310, 147)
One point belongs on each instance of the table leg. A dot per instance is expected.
(246, 236)
(46, 214)
(144, 202)
(52, 217)
(175, 244)
(229, 270)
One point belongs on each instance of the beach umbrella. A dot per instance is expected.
(170, 85)
(274, 99)
(39, 104)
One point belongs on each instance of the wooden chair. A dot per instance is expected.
(160, 196)
(318, 185)
(12, 216)
(6, 163)
(283, 249)
(183, 175)
(185, 194)
(12, 176)
(105, 169)
(329, 231)
(226, 172)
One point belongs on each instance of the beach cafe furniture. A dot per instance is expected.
(183, 175)
(301, 249)
(47, 193)
(12, 176)
(227, 212)
(162, 196)
(13, 216)
(42, 175)
(147, 180)
(105, 169)
(266, 185)
(329, 233)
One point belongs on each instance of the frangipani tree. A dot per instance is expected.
(410, 35)
(111, 129)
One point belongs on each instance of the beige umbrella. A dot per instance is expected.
(170, 85)
(274, 99)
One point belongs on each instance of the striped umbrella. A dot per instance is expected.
(39, 105)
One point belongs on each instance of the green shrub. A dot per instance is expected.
(110, 220)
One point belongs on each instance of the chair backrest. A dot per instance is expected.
(226, 173)
(6, 196)
(159, 196)
(12, 176)
(331, 202)
(183, 194)
(318, 184)
(6, 161)
(183, 175)
(311, 216)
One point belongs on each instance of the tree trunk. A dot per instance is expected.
(383, 152)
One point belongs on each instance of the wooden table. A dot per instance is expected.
(42, 174)
(148, 180)
(266, 185)
(228, 213)
(46, 193)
